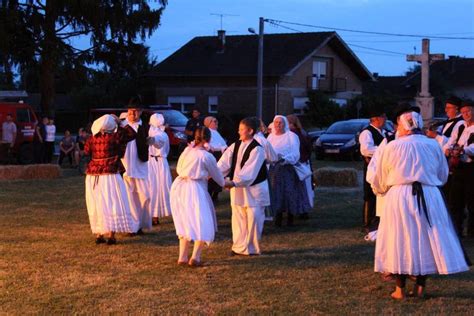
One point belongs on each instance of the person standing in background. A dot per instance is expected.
(49, 141)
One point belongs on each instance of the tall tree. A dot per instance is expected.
(42, 30)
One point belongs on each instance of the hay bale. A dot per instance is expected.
(336, 177)
(29, 172)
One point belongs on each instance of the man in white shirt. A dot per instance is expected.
(8, 136)
(244, 164)
(460, 151)
(369, 139)
(135, 162)
(454, 120)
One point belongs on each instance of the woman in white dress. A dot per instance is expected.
(216, 146)
(159, 175)
(106, 197)
(415, 236)
(288, 191)
(191, 205)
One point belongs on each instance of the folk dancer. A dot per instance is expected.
(191, 205)
(369, 139)
(159, 175)
(416, 236)
(106, 196)
(244, 165)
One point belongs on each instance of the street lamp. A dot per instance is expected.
(259, 66)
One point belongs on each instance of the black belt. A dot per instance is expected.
(417, 189)
(156, 157)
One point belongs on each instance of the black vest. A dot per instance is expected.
(142, 146)
(449, 130)
(376, 136)
(390, 138)
(262, 174)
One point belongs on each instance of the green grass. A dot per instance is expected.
(50, 264)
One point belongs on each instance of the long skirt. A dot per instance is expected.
(159, 184)
(288, 192)
(412, 241)
(107, 205)
(193, 213)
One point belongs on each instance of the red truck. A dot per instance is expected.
(26, 121)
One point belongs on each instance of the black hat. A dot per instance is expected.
(376, 112)
(466, 103)
(454, 100)
(135, 102)
(404, 108)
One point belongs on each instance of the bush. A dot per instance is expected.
(321, 110)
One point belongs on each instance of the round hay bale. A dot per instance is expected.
(29, 172)
(336, 177)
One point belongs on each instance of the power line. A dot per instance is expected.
(355, 45)
(368, 32)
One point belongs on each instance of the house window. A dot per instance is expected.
(212, 104)
(299, 104)
(183, 104)
(319, 73)
(340, 102)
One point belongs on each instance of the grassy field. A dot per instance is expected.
(50, 264)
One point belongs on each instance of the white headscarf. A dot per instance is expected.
(411, 121)
(286, 145)
(157, 121)
(286, 129)
(104, 123)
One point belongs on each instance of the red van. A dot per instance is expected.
(26, 121)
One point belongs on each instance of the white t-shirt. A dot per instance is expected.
(50, 133)
(8, 131)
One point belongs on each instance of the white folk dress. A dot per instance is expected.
(410, 240)
(191, 205)
(136, 181)
(159, 175)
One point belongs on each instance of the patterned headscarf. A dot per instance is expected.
(411, 121)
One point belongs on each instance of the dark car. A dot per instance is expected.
(342, 139)
(314, 135)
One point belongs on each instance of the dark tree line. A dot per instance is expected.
(36, 42)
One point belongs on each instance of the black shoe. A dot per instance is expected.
(111, 241)
(233, 254)
(140, 232)
(100, 240)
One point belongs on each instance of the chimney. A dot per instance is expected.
(221, 38)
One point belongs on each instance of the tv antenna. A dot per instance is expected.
(222, 15)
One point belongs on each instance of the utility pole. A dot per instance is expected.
(260, 68)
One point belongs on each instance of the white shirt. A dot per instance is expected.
(243, 194)
(217, 143)
(367, 145)
(409, 159)
(50, 133)
(466, 133)
(270, 154)
(198, 164)
(286, 146)
(441, 139)
(161, 147)
(8, 132)
(134, 167)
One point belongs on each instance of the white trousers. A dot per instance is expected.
(138, 196)
(247, 227)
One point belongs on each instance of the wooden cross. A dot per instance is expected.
(425, 58)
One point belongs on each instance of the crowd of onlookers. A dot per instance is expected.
(70, 147)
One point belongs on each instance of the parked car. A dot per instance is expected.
(314, 135)
(175, 123)
(342, 139)
(26, 121)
